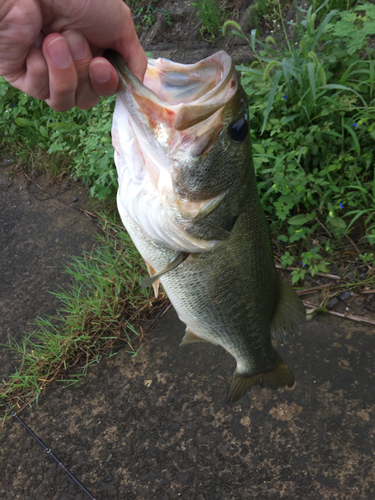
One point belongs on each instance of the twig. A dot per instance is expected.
(325, 229)
(160, 314)
(359, 319)
(307, 291)
(357, 250)
(353, 244)
(324, 275)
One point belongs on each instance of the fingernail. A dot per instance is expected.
(59, 52)
(77, 44)
(99, 71)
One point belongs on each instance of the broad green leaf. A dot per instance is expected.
(283, 238)
(337, 222)
(23, 122)
(43, 131)
(299, 220)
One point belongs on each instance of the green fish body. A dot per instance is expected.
(188, 198)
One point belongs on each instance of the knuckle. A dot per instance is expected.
(59, 106)
(41, 94)
(88, 103)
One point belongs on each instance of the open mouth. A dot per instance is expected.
(180, 95)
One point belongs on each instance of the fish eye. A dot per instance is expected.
(239, 130)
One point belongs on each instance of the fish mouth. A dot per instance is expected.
(175, 117)
(178, 95)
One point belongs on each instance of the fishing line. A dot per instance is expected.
(48, 451)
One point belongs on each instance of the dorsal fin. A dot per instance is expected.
(290, 313)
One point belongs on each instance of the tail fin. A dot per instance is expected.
(280, 376)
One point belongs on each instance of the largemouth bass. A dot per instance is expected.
(188, 198)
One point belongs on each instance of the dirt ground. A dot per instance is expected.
(155, 426)
(39, 232)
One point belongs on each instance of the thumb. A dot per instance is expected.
(128, 46)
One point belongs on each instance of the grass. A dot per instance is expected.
(211, 16)
(145, 15)
(101, 310)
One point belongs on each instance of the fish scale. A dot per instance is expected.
(227, 291)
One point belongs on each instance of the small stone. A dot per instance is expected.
(332, 302)
(74, 199)
(344, 295)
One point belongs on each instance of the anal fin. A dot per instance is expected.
(191, 338)
(280, 376)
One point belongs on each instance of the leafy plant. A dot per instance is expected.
(312, 115)
(76, 141)
(211, 16)
(368, 258)
(352, 28)
(145, 16)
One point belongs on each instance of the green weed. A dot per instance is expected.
(211, 15)
(145, 16)
(313, 128)
(101, 309)
(75, 142)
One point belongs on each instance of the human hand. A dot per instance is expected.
(51, 49)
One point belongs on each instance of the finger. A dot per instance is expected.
(103, 76)
(136, 59)
(36, 80)
(129, 48)
(81, 54)
(33, 78)
(62, 73)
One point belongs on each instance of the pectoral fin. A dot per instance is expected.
(155, 284)
(176, 261)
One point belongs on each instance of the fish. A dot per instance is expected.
(188, 198)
